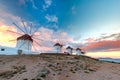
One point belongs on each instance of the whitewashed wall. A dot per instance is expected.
(58, 49)
(8, 50)
(14, 51)
(24, 45)
(78, 52)
(69, 51)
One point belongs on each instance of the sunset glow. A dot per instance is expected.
(6, 37)
(113, 54)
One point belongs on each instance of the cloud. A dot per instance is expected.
(8, 36)
(52, 18)
(106, 42)
(50, 37)
(24, 2)
(8, 18)
(47, 4)
(52, 26)
(115, 36)
(33, 4)
(106, 45)
(90, 40)
(76, 38)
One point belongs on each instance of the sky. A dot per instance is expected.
(93, 25)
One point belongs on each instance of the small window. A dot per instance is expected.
(2, 49)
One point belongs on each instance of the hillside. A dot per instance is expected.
(56, 67)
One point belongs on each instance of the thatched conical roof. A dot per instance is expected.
(25, 37)
(58, 44)
(69, 47)
(79, 49)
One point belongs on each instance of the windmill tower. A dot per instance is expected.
(58, 47)
(27, 40)
(59, 43)
(79, 51)
(69, 50)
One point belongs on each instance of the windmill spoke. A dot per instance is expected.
(12, 40)
(34, 47)
(60, 41)
(35, 31)
(15, 32)
(38, 38)
(31, 28)
(59, 38)
(24, 26)
(19, 27)
(37, 43)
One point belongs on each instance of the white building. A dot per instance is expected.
(69, 50)
(24, 42)
(79, 51)
(14, 51)
(58, 48)
(7, 50)
(23, 46)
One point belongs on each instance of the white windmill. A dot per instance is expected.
(79, 51)
(69, 50)
(27, 39)
(58, 47)
(60, 43)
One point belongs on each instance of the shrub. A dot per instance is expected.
(86, 71)
(43, 75)
(38, 79)
(7, 74)
(91, 70)
(25, 79)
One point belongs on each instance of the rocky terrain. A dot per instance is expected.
(56, 67)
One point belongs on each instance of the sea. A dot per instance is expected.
(110, 60)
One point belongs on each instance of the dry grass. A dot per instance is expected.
(10, 73)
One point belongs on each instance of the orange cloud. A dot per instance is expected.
(106, 45)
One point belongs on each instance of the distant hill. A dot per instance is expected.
(110, 60)
(56, 67)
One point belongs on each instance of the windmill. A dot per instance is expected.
(58, 47)
(28, 40)
(60, 43)
(69, 50)
(79, 51)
